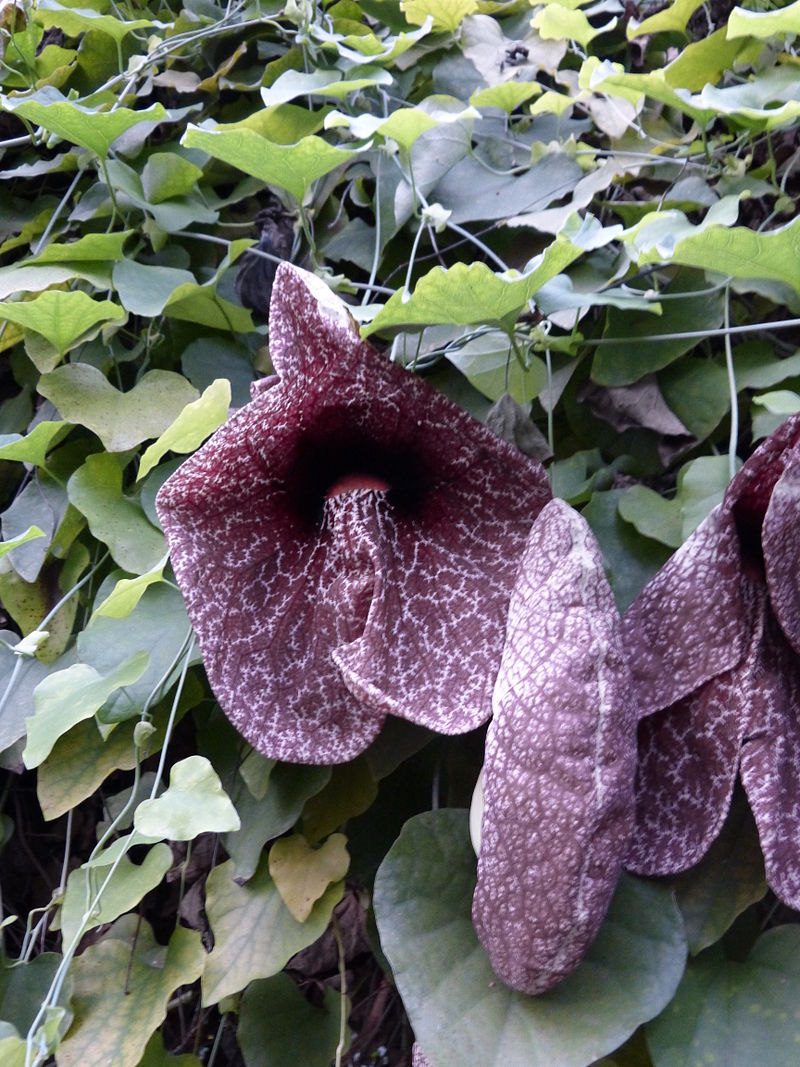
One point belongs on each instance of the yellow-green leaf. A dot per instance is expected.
(446, 14)
(121, 990)
(254, 933)
(192, 426)
(195, 803)
(83, 395)
(302, 873)
(291, 167)
(67, 697)
(62, 318)
(127, 593)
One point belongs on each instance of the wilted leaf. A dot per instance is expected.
(195, 803)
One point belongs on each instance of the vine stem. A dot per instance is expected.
(337, 933)
(727, 331)
(734, 437)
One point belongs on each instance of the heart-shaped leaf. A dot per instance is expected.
(121, 420)
(62, 318)
(302, 874)
(195, 803)
(461, 1013)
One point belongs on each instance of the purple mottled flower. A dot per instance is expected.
(347, 543)
(714, 646)
(560, 762)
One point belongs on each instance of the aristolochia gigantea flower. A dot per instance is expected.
(560, 761)
(347, 543)
(714, 646)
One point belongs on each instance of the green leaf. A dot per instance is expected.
(672, 19)
(195, 803)
(506, 95)
(95, 130)
(121, 420)
(772, 409)
(81, 760)
(92, 247)
(290, 167)
(698, 392)
(489, 363)
(302, 873)
(294, 83)
(34, 447)
(254, 933)
(158, 624)
(764, 24)
(121, 991)
(467, 294)
(127, 593)
(126, 886)
(740, 252)
(166, 174)
(150, 290)
(631, 560)
(350, 792)
(62, 318)
(75, 21)
(67, 697)
(652, 515)
(95, 489)
(30, 671)
(155, 1055)
(31, 534)
(446, 14)
(728, 879)
(459, 1010)
(701, 486)
(630, 357)
(24, 987)
(194, 424)
(555, 22)
(278, 1027)
(734, 1013)
(263, 819)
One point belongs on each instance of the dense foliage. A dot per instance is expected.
(588, 207)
